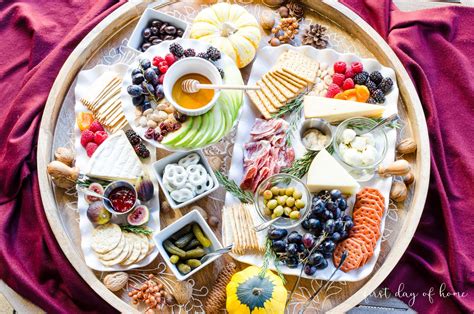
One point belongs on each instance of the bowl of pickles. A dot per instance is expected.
(183, 244)
(282, 195)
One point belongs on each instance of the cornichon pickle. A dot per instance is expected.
(193, 263)
(183, 268)
(195, 253)
(173, 249)
(174, 259)
(191, 245)
(200, 236)
(178, 234)
(181, 242)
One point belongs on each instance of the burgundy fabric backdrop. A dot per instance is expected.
(436, 47)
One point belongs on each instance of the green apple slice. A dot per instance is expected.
(216, 117)
(184, 142)
(205, 135)
(201, 133)
(174, 137)
(221, 125)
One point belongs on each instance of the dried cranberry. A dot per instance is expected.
(159, 138)
(150, 133)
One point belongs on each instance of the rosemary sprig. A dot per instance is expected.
(268, 257)
(300, 166)
(394, 125)
(295, 104)
(232, 187)
(137, 229)
(85, 181)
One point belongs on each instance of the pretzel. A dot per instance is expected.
(182, 195)
(191, 159)
(175, 175)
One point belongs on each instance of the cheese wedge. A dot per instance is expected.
(115, 159)
(337, 110)
(325, 173)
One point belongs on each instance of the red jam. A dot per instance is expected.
(122, 198)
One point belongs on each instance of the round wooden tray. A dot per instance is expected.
(106, 44)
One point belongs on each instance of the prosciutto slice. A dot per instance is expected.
(266, 153)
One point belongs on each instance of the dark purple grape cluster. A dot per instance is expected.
(327, 224)
(146, 85)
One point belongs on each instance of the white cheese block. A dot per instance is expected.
(338, 110)
(325, 173)
(115, 159)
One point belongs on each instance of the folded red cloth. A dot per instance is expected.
(436, 46)
(36, 37)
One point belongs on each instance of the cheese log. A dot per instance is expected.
(337, 110)
(325, 173)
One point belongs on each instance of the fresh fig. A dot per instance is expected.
(97, 213)
(145, 189)
(139, 216)
(94, 187)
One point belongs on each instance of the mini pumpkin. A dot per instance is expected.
(231, 29)
(248, 292)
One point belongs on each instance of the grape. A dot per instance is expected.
(150, 74)
(134, 90)
(328, 246)
(148, 89)
(279, 245)
(292, 262)
(155, 81)
(335, 194)
(138, 101)
(157, 71)
(314, 224)
(315, 259)
(277, 234)
(137, 79)
(308, 240)
(342, 203)
(300, 248)
(145, 63)
(305, 224)
(330, 206)
(324, 264)
(136, 71)
(326, 255)
(337, 213)
(146, 105)
(338, 225)
(327, 215)
(336, 237)
(329, 226)
(292, 249)
(346, 218)
(309, 270)
(318, 206)
(160, 93)
(294, 237)
(348, 225)
(344, 234)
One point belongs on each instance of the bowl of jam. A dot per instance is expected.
(122, 196)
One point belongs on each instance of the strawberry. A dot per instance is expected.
(157, 60)
(340, 67)
(357, 67)
(338, 79)
(170, 59)
(100, 136)
(333, 89)
(348, 84)
(90, 148)
(96, 126)
(87, 136)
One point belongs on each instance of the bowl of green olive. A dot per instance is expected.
(282, 195)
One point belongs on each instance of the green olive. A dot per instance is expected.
(281, 191)
(295, 215)
(289, 191)
(288, 211)
(275, 190)
(267, 194)
(278, 211)
(267, 211)
(290, 201)
(299, 204)
(297, 195)
(272, 204)
(274, 216)
(281, 200)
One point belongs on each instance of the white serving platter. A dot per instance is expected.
(264, 61)
(84, 80)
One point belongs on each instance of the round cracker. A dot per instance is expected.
(144, 247)
(135, 252)
(106, 237)
(115, 252)
(119, 258)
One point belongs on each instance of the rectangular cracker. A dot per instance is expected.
(266, 102)
(293, 80)
(283, 81)
(274, 84)
(275, 91)
(270, 96)
(258, 104)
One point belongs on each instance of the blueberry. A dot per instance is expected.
(329, 226)
(335, 194)
(310, 270)
(294, 237)
(292, 249)
(324, 263)
(134, 90)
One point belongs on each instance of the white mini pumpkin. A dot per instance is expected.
(231, 29)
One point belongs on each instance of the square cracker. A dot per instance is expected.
(299, 65)
(277, 88)
(258, 104)
(270, 96)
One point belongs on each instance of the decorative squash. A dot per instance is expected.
(247, 292)
(231, 29)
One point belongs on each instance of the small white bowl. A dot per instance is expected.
(189, 66)
(191, 217)
(149, 14)
(159, 168)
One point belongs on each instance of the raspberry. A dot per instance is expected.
(349, 74)
(348, 84)
(170, 59)
(361, 78)
(96, 126)
(340, 67)
(90, 148)
(161, 79)
(357, 67)
(157, 60)
(100, 137)
(163, 69)
(386, 85)
(376, 77)
(338, 79)
(87, 136)
(333, 89)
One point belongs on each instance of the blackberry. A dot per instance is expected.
(129, 133)
(378, 96)
(141, 150)
(189, 52)
(361, 78)
(177, 50)
(134, 139)
(203, 55)
(371, 86)
(386, 85)
(213, 53)
(376, 77)
(221, 72)
(371, 101)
